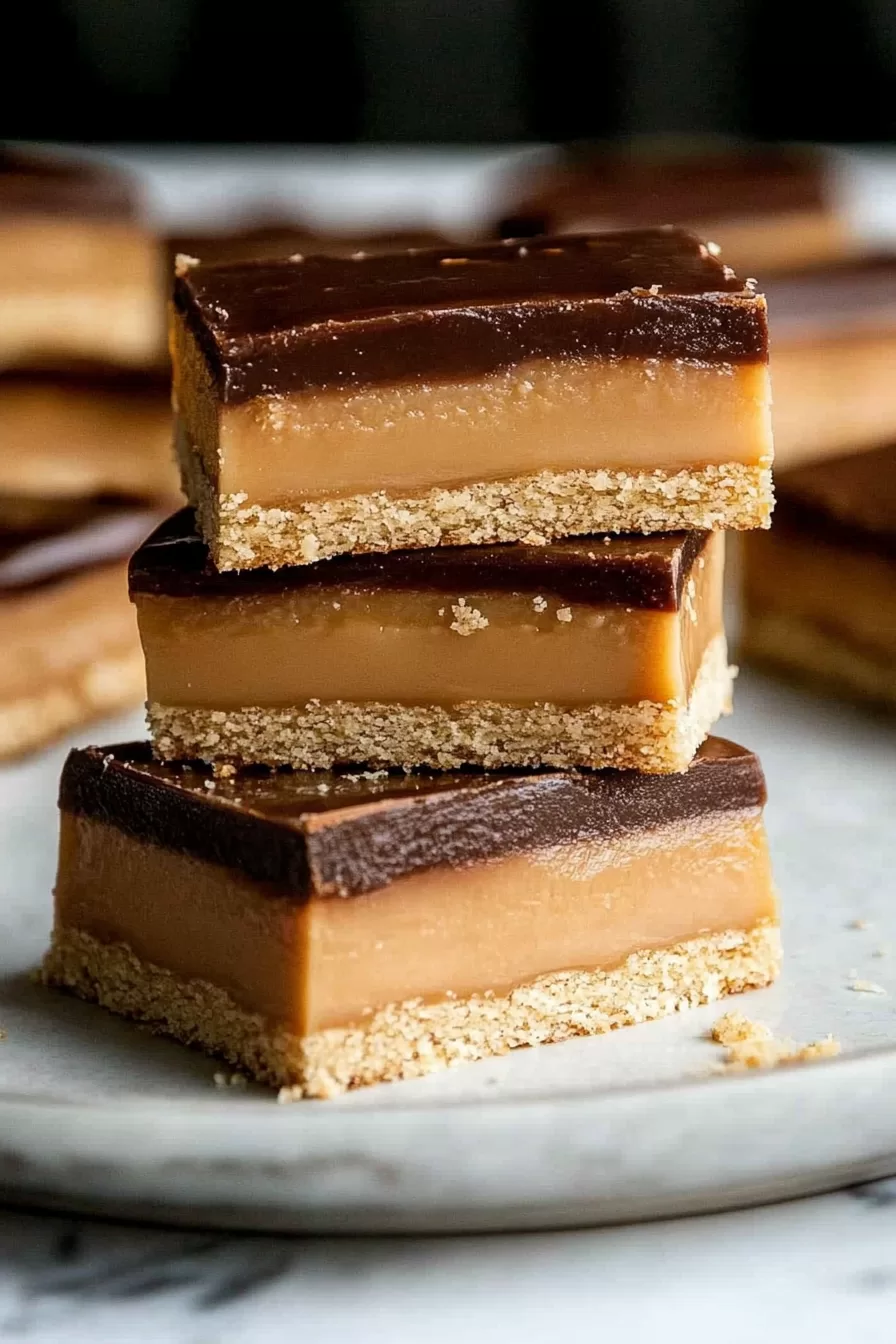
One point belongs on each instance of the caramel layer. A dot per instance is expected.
(405, 439)
(416, 647)
(430, 935)
(76, 290)
(78, 437)
(70, 652)
(833, 395)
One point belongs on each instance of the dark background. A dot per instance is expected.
(447, 70)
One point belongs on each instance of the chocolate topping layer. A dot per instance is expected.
(632, 571)
(847, 500)
(278, 326)
(823, 301)
(275, 239)
(42, 541)
(343, 833)
(640, 188)
(41, 184)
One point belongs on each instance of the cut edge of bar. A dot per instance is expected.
(534, 509)
(650, 736)
(411, 1039)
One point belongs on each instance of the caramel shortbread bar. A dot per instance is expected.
(80, 275)
(614, 382)
(71, 651)
(820, 589)
(593, 652)
(833, 357)
(67, 436)
(327, 931)
(769, 207)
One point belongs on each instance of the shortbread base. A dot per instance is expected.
(408, 1040)
(533, 509)
(656, 738)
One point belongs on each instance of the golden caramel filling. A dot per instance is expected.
(80, 289)
(64, 439)
(547, 415)
(49, 633)
(430, 934)
(422, 647)
(850, 593)
(835, 396)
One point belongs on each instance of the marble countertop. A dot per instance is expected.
(820, 1269)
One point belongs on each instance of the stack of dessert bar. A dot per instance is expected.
(820, 589)
(84, 431)
(432, 667)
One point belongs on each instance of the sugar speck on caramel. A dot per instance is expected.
(184, 263)
(564, 614)
(540, 603)
(467, 620)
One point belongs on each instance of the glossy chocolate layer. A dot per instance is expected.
(342, 834)
(847, 500)
(642, 188)
(42, 541)
(271, 327)
(822, 302)
(633, 571)
(40, 184)
(276, 240)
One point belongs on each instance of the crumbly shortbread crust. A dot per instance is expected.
(534, 509)
(657, 738)
(408, 1040)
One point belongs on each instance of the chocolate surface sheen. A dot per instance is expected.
(634, 571)
(41, 184)
(345, 833)
(42, 541)
(270, 327)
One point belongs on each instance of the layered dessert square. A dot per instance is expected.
(509, 392)
(86, 436)
(834, 352)
(81, 277)
(327, 931)
(586, 652)
(769, 207)
(820, 588)
(71, 650)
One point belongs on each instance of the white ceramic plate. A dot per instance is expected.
(97, 1115)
